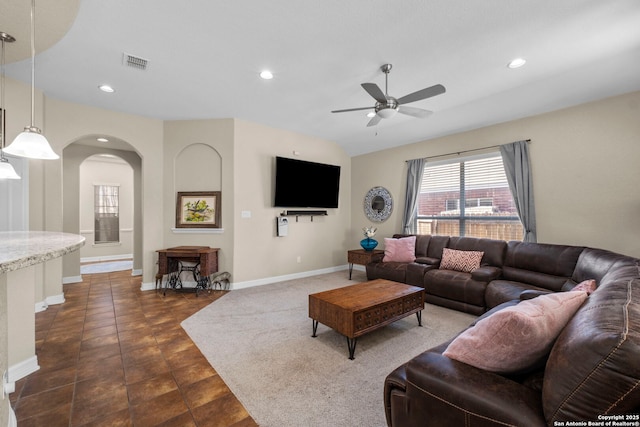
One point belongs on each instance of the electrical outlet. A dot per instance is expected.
(299, 259)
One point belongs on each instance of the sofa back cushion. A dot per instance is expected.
(427, 245)
(436, 245)
(595, 264)
(594, 366)
(540, 264)
(494, 250)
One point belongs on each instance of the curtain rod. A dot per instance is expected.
(464, 151)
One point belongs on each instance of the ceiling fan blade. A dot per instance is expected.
(373, 90)
(414, 112)
(422, 94)
(352, 109)
(374, 120)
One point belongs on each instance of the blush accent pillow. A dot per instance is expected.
(517, 338)
(400, 250)
(465, 261)
(587, 286)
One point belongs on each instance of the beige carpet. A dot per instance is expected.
(259, 341)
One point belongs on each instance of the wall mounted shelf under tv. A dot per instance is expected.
(297, 213)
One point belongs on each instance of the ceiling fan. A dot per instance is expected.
(387, 106)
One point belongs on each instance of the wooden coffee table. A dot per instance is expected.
(364, 307)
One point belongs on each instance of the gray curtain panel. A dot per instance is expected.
(515, 157)
(414, 180)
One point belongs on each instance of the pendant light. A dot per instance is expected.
(31, 143)
(6, 170)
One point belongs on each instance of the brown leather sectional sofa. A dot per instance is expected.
(592, 372)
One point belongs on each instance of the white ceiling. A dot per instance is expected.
(204, 59)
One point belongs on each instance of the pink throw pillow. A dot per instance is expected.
(587, 286)
(515, 339)
(400, 250)
(465, 261)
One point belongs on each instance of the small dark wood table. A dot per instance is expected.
(361, 257)
(205, 258)
(364, 307)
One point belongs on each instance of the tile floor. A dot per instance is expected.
(112, 355)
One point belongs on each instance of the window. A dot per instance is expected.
(106, 214)
(468, 198)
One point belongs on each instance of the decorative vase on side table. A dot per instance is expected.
(368, 243)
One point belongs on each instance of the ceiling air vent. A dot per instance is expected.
(134, 62)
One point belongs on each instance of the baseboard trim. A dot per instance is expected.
(55, 299)
(149, 286)
(268, 280)
(22, 369)
(71, 279)
(137, 272)
(106, 258)
(13, 422)
(276, 279)
(41, 306)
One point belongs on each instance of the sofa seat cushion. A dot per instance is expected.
(455, 285)
(427, 260)
(499, 291)
(516, 339)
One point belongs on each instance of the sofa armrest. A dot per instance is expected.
(486, 273)
(531, 294)
(428, 261)
(377, 257)
(444, 392)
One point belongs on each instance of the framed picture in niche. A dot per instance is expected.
(198, 209)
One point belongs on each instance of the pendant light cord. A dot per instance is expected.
(2, 110)
(33, 62)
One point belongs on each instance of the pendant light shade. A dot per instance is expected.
(31, 143)
(6, 170)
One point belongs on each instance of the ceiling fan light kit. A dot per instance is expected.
(387, 106)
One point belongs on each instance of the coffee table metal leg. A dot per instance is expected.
(419, 315)
(350, 269)
(315, 327)
(351, 343)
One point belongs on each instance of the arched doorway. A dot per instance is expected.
(73, 157)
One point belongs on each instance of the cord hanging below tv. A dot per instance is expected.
(304, 184)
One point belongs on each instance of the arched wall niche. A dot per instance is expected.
(197, 167)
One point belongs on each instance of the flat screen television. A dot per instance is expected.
(303, 184)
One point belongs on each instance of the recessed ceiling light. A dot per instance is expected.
(106, 88)
(517, 63)
(103, 140)
(266, 75)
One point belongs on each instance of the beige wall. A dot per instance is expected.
(210, 171)
(585, 172)
(249, 248)
(95, 171)
(318, 244)
(67, 122)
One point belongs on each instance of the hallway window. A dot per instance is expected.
(106, 214)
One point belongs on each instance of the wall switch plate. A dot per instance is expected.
(245, 214)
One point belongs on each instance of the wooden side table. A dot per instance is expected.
(361, 257)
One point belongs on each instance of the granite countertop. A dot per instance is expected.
(20, 249)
